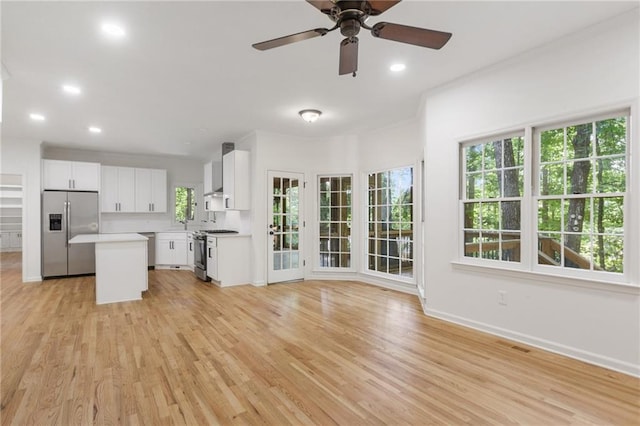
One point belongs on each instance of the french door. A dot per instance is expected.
(285, 227)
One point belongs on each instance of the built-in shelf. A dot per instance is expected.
(10, 212)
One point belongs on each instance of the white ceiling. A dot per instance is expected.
(186, 78)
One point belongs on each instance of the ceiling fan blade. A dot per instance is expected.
(323, 6)
(379, 6)
(348, 56)
(412, 35)
(281, 41)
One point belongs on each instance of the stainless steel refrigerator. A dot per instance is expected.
(65, 215)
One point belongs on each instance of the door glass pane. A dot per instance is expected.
(285, 223)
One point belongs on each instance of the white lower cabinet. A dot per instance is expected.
(171, 248)
(11, 240)
(212, 258)
(190, 250)
(5, 240)
(227, 262)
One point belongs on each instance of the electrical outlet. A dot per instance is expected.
(502, 297)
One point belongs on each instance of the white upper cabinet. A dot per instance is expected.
(236, 179)
(132, 190)
(151, 190)
(70, 175)
(208, 177)
(117, 192)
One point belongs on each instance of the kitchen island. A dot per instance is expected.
(121, 265)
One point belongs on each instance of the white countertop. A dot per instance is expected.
(107, 238)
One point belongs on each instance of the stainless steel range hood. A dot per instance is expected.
(227, 147)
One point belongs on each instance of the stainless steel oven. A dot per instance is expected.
(200, 255)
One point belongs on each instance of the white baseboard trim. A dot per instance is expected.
(333, 277)
(259, 283)
(32, 279)
(571, 352)
(174, 267)
(391, 285)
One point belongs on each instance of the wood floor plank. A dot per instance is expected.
(308, 353)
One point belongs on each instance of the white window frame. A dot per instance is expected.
(524, 238)
(529, 208)
(365, 228)
(317, 266)
(623, 277)
(197, 193)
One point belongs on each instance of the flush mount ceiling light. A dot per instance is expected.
(397, 67)
(310, 115)
(113, 30)
(36, 117)
(71, 89)
(94, 129)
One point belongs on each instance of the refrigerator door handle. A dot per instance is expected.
(67, 213)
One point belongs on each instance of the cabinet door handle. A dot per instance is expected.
(70, 184)
(190, 246)
(74, 184)
(149, 206)
(226, 203)
(209, 252)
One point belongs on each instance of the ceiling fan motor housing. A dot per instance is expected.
(350, 27)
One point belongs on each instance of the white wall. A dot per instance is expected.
(276, 152)
(592, 71)
(22, 157)
(394, 146)
(391, 147)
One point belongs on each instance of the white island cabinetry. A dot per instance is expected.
(227, 261)
(121, 265)
(171, 249)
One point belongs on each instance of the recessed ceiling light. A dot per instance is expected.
(113, 30)
(70, 89)
(397, 67)
(94, 129)
(36, 117)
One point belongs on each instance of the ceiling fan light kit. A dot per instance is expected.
(310, 115)
(350, 16)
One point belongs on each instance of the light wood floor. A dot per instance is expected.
(308, 353)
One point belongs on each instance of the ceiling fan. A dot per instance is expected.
(350, 16)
